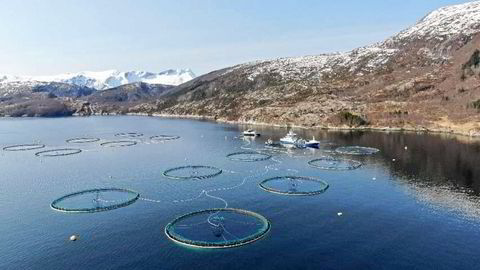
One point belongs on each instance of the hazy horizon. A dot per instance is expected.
(46, 38)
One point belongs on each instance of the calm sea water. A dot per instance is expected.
(414, 208)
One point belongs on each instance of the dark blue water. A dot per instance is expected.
(414, 208)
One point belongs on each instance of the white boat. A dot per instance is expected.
(250, 133)
(290, 138)
(312, 143)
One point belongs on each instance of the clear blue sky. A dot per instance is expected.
(43, 37)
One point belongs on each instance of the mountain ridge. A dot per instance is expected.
(101, 80)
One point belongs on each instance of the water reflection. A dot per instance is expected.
(431, 159)
(439, 169)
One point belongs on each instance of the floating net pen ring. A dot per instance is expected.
(164, 137)
(294, 185)
(82, 140)
(23, 147)
(248, 156)
(129, 134)
(335, 164)
(95, 200)
(118, 143)
(357, 150)
(229, 228)
(192, 172)
(58, 152)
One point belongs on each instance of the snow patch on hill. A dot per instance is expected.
(463, 19)
(293, 68)
(443, 24)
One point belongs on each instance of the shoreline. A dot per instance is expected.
(470, 135)
(475, 135)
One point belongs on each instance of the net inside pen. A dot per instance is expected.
(218, 228)
(95, 200)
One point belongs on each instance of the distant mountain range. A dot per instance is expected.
(427, 77)
(65, 94)
(102, 80)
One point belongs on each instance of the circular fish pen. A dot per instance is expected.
(335, 164)
(129, 134)
(58, 152)
(118, 143)
(218, 228)
(23, 147)
(294, 185)
(162, 138)
(357, 150)
(95, 200)
(192, 172)
(83, 140)
(248, 156)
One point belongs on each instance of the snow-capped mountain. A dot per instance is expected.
(447, 28)
(463, 19)
(102, 80)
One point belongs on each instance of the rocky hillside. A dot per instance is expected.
(56, 89)
(120, 99)
(426, 77)
(40, 98)
(62, 99)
